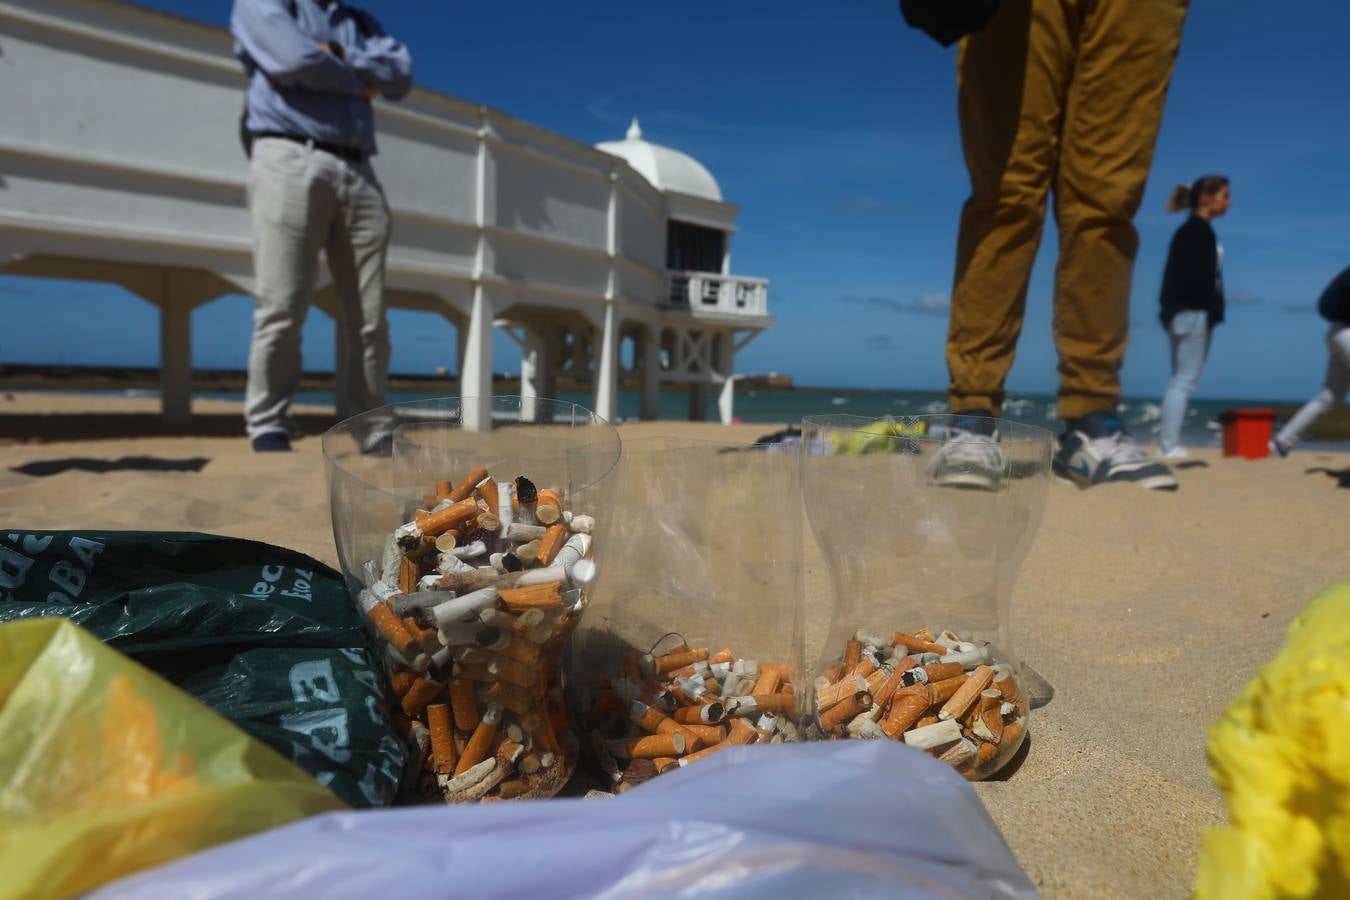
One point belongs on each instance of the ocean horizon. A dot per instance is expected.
(788, 406)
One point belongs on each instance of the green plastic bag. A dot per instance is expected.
(106, 769)
(266, 637)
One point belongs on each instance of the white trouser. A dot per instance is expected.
(303, 200)
(1333, 387)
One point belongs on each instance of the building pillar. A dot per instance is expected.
(534, 366)
(175, 359)
(726, 367)
(607, 366)
(650, 405)
(698, 402)
(475, 373)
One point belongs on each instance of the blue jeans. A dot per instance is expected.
(1189, 333)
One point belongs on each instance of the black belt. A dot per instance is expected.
(350, 154)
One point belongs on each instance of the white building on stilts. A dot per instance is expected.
(120, 162)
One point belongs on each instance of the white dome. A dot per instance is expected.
(666, 169)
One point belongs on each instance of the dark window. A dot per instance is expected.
(693, 247)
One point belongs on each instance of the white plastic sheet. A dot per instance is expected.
(840, 819)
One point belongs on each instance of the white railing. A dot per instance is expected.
(709, 292)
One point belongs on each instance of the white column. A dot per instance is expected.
(650, 406)
(726, 367)
(534, 365)
(175, 359)
(475, 373)
(607, 366)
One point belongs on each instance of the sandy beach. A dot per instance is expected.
(1147, 612)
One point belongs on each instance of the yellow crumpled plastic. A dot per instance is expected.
(105, 768)
(1281, 756)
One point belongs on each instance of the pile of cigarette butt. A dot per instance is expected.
(943, 695)
(473, 601)
(683, 705)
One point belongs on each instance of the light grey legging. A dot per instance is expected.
(1189, 333)
(1333, 388)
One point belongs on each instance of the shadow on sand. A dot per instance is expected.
(1341, 476)
(23, 428)
(45, 467)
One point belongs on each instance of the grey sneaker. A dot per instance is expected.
(1099, 450)
(969, 458)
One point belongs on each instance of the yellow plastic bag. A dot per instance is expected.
(105, 768)
(1281, 756)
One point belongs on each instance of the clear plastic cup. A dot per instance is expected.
(693, 640)
(469, 547)
(923, 523)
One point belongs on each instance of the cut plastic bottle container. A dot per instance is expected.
(922, 528)
(693, 641)
(468, 545)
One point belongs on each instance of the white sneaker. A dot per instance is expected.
(968, 460)
(1177, 452)
(1105, 452)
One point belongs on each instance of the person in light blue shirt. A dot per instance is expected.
(313, 67)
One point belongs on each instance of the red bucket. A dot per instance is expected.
(1247, 432)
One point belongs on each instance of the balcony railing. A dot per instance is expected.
(709, 292)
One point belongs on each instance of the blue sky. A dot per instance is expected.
(834, 127)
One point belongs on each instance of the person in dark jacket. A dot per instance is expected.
(1334, 306)
(1192, 298)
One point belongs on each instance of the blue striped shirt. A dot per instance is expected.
(297, 87)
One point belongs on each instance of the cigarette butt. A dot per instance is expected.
(471, 481)
(526, 492)
(512, 672)
(852, 654)
(430, 499)
(529, 764)
(443, 753)
(877, 678)
(985, 753)
(845, 710)
(938, 734)
(520, 650)
(916, 643)
(425, 638)
(454, 516)
(928, 720)
(488, 522)
(907, 705)
(1012, 734)
(552, 542)
(665, 763)
(419, 695)
(650, 747)
(480, 744)
(639, 770)
(707, 714)
(865, 667)
(463, 704)
(771, 675)
(509, 752)
(840, 690)
(446, 541)
(671, 661)
(783, 704)
(528, 553)
(834, 673)
(443, 489)
(1008, 687)
(393, 630)
(400, 681)
(707, 735)
(933, 672)
(886, 690)
(960, 753)
(408, 574)
(740, 732)
(488, 491)
(722, 656)
(548, 507)
(536, 596)
(509, 790)
(652, 720)
(991, 714)
(707, 751)
(942, 691)
(699, 668)
(965, 695)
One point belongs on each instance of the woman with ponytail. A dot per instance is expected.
(1192, 298)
